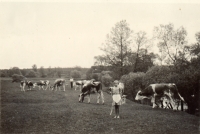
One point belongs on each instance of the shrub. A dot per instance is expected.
(75, 74)
(17, 78)
(157, 74)
(31, 73)
(132, 83)
(106, 80)
(3, 75)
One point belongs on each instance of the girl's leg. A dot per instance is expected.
(118, 111)
(115, 111)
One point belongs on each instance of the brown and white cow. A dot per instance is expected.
(25, 83)
(39, 84)
(58, 83)
(79, 84)
(46, 83)
(157, 91)
(87, 88)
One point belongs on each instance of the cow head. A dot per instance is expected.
(52, 87)
(81, 97)
(34, 85)
(139, 96)
(84, 92)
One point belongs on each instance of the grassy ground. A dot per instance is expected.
(39, 112)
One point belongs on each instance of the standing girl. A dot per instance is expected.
(116, 93)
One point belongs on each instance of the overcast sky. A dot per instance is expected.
(63, 34)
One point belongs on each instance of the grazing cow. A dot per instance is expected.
(39, 84)
(23, 84)
(58, 83)
(86, 90)
(79, 84)
(46, 83)
(156, 91)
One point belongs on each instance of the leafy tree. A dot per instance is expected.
(18, 78)
(140, 42)
(23, 71)
(171, 41)
(34, 67)
(14, 70)
(117, 47)
(75, 74)
(42, 72)
(31, 73)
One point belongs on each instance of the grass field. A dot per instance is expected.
(39, 112)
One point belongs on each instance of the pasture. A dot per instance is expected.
(39, 112)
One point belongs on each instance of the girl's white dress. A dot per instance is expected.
(116, 95)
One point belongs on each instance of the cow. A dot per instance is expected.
(46, 83)
(23, 84)
(79, 84)
(58, 83)
(87, 88)
(39, 84)
(157, 91)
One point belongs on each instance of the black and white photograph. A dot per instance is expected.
(99, 67)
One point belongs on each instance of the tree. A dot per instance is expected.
(14, 70)
(171, 41)
(42, 72)
(18, 78)
(117, 47)
(31, 73)
(75, 74)
(34, 67)
(140, 41)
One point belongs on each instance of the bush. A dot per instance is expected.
(3, 75)
(132, 83)
(157, 74)
(106, 80)
(31, 73)
(75, 74)
(96, 76)
(17, 78)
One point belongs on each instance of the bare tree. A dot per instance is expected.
(140, 42)
(117, 44)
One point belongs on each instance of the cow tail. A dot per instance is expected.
(179, 94)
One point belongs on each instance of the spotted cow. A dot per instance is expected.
(157, 91)
(87, 88)
(23, 84)
(58, 83)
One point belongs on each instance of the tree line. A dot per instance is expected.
(76, 72)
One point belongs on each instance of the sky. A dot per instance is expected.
(70, 33)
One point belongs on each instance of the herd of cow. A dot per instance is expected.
(165, 94)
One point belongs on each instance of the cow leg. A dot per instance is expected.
(153, 101)
(102, 97)
(171, 100)
(64, 86)
(98, 97)
(88, 98)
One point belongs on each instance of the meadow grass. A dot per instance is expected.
(39, 112)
